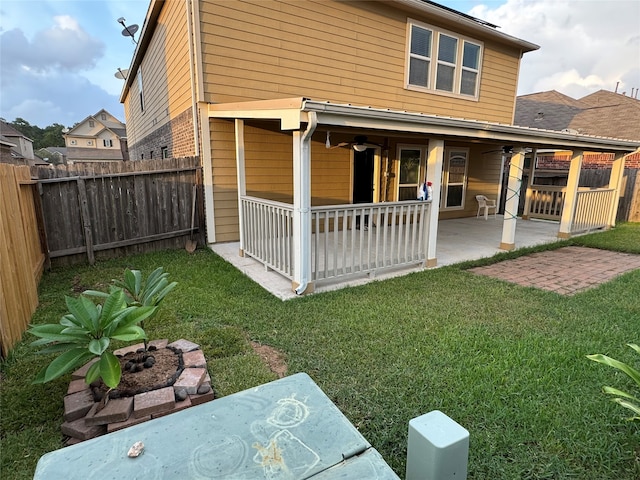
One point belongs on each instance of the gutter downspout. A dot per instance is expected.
(192, 59)
(303, 179)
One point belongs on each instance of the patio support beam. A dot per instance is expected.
(615, 182)
(242, 180)
(513, 199)
(571, 195)
(435, 158)
(302, 208)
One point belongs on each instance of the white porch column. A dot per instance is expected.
(615, 182)
(435, 158)
(571, 195)
(302, 208)
(242, 180)
(513, 199)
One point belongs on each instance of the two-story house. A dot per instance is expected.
(17, 148)
(317, 122)
(99, 137)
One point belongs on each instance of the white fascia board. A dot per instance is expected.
(400, 121)
(288, 111)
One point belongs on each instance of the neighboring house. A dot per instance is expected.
(99, 137)
(314, 118)
(604, 114)
(21, 153)
(53, 155)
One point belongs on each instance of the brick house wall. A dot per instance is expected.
(591, 161)
(176, 136)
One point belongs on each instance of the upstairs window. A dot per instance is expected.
(92, 123)
(420, 56)
(442, 62)
(140, 90)
(107, 142)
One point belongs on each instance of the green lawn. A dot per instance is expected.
(506, 362)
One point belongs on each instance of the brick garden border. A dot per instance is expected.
(191, 388)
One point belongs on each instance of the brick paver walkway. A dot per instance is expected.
(567, 270)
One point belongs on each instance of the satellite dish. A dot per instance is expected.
(130, 31)
(121, 74)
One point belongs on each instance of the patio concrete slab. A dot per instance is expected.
(459, 240)
(566, 271)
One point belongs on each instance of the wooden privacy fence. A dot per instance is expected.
(135, 206)
(22, 253)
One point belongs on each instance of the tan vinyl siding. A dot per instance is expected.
(342, 52)
(165, 75)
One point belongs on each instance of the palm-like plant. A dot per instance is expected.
(142, 293)
(86, 332)
(623, 398)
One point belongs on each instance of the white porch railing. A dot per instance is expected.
(346, 239)
(593, 209)
(546, 202)
(268, 233)
(364, 238)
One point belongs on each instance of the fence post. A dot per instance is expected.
(86, 220)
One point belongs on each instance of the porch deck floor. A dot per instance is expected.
(459, 240)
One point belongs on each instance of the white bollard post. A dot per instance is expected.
(437, 448)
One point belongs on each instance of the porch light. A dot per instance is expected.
(359, 145)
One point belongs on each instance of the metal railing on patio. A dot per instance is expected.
(346, 239)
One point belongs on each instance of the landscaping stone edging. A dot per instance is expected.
(191, 388)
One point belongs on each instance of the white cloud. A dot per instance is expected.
(585, 45)
(65, 46)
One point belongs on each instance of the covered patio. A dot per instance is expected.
(458, 240)
(314, 241)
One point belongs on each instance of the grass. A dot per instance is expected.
(506, 362)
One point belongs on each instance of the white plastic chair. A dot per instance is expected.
(484, 202)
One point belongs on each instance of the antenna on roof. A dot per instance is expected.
(129, 31)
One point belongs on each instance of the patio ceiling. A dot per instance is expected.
(293, 112)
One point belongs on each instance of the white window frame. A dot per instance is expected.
(140, 89)
(434, 62)
(448, 155)
(421, 169)
(107, 142)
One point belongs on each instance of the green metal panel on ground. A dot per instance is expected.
(287, 429)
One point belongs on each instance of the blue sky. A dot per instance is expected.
(58, 57)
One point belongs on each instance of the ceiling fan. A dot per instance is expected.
(359, 143)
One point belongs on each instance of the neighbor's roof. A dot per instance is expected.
(9, 131)
(603, 113)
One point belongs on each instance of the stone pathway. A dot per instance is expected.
(566, 271)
